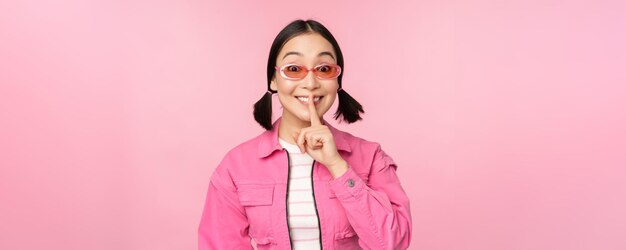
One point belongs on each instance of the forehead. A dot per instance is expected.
(309, 45)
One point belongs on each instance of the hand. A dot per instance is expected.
(318, 142)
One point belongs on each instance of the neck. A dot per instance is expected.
(289, 125)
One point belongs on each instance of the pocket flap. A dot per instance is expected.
(345, 234)
(255, 194)
(263, 241)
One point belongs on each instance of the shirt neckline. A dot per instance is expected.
(291, 148)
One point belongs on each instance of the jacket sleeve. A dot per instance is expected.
(379, 209)
(224, 224)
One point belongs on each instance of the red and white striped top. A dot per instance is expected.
(302, 216)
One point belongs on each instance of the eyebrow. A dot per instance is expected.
(300, 54)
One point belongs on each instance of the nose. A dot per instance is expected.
(310, 81)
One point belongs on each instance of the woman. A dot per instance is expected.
(303, 184)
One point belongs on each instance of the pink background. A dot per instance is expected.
(507, 118)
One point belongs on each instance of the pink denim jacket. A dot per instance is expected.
(247, 197)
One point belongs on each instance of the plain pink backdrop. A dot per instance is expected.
(507, 118)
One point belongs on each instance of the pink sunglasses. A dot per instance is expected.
(297, 72)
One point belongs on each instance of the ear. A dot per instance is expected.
(273, 85)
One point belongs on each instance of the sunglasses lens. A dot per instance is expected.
(324, 71)
(327, 71)
(294, 71)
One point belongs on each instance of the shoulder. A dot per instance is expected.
(366, 156)
(359, 144)
(237, 159)
(246, 149)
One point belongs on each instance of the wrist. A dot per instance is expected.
(338, 169)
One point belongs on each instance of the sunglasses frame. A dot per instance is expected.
(314, 69)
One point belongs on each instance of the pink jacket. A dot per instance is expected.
(364, 208)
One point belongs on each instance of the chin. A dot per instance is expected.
(305, 117)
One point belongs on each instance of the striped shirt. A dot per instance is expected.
(302, 218)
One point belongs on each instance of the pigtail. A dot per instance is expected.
(263, 111)
(348, 107)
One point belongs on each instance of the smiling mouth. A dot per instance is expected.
(305, 99)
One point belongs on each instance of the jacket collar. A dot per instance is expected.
(269, 140)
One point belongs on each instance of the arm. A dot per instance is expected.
(378, 210)
(224, 224)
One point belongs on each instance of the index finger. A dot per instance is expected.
(315, 120)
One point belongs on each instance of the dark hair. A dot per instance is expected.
(348, 108)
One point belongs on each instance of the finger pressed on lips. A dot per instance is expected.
(315, 121)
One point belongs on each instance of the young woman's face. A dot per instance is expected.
(310, 50)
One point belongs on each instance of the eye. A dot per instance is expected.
(324, 68)
(292, 68)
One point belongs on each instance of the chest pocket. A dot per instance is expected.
(257, 199)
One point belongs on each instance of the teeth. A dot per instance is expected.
(306, 99)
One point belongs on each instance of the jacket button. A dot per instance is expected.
(350, 183)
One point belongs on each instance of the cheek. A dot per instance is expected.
(283, 99)
(285, 87)
(330, 100)
(328, 103)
